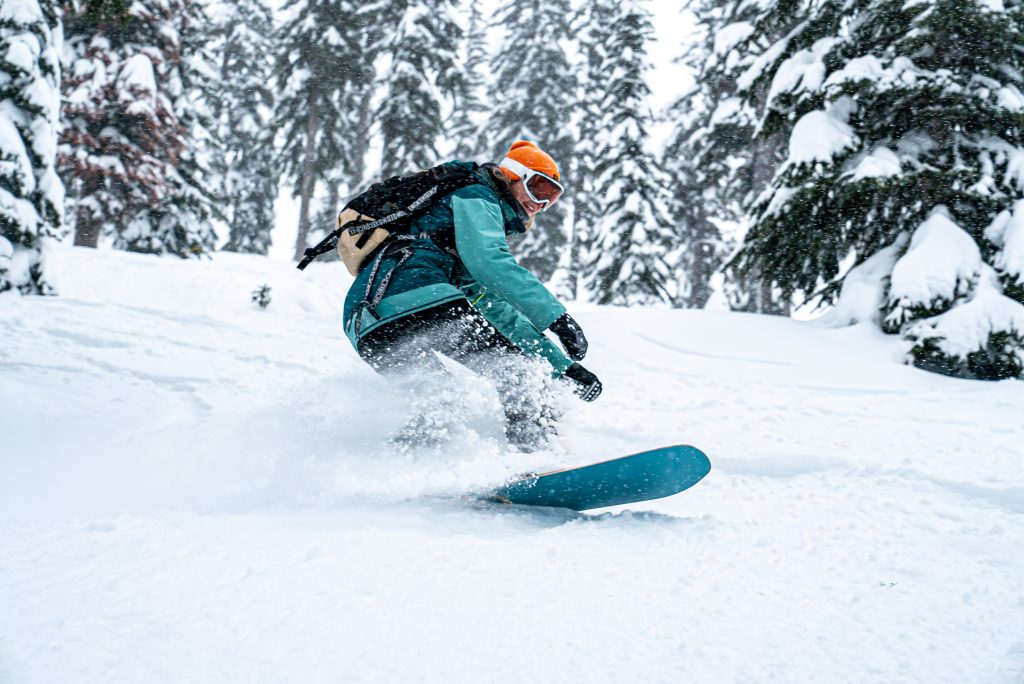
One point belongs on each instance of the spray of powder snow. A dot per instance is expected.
(321, 443)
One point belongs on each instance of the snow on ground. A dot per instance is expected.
(196, 490)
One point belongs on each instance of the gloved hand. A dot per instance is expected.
(570, 334)
(588, 387)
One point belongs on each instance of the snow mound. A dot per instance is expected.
(1007, 233)
(941, 265)
(20, 11)
(819, 136)
(1011, 99)
(863, 291)
(863, 68)
(880, 163)
(967, 328)
(731, 35)
(138, 80)
(14, 161)
(804, 71)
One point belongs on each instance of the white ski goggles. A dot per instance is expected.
(541, 188)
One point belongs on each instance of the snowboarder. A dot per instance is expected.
(456, 289)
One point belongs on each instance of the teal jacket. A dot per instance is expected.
(463, 254)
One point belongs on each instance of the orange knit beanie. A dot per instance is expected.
(529, 155)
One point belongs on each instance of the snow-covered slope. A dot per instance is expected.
(196, 490)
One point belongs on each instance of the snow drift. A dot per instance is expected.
(195, 489)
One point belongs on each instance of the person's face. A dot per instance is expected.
(529, 206)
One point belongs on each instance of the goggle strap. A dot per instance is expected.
(525, 173)
(515, 167)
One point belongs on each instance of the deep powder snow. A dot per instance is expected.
(197, 490)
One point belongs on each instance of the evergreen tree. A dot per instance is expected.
(130, 147)
(325, 219)
(120, 137)
(906, 142)
(698, 247)
(324, 73)
(422, 41)
(243, 33)
(31, 194)
(630, 236)
(717, 162)
(182, 225)
(534, 100)
(470, 111)
(587, 120)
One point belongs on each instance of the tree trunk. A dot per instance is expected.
(306, 184)
(360, 147)
(764, 164)
(87, 226)
(573, 268)
(331, 201)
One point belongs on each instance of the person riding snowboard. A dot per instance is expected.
(453, 287)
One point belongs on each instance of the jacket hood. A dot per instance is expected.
(516, 218)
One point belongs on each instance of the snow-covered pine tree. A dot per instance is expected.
(534, 100)
(626, 245)
(422, 39)
(906, 162)
(31, 193)
(717, 163)
(125, 148)
(470, 112)
(720, 118)
(338, 181)
(243, 35)
(325, 218)
(182, 224)
(698, 247)
(586, 120)
(324, 74)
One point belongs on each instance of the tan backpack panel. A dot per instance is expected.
(353, 249)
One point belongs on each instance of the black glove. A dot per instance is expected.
(588, 387)
(570, 334)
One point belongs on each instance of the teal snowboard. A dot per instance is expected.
(639, 477)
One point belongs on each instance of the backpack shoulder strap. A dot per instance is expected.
(435, 183)
(447, 179)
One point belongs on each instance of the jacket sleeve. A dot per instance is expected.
(520, 332)
(480, 241)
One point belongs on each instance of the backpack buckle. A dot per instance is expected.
(369, 308)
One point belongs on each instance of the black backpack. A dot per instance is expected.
(387, 210)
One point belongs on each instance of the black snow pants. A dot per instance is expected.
(406, 348)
